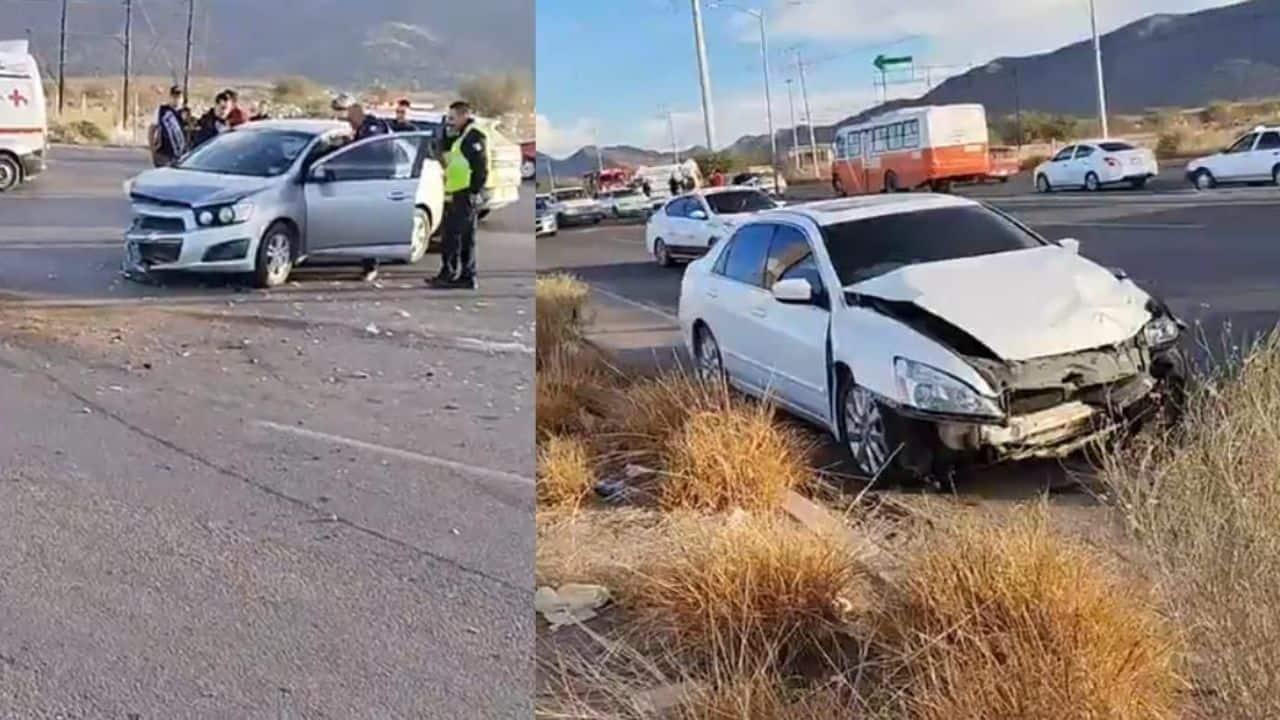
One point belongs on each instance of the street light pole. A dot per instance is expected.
(808, 113)
(671, 126)
(795, 133)
(1097, 61)
(62, 59)
(186, 69)
(759, 15)
(128, 59)
(704, 76)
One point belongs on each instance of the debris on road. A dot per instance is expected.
(571, 604)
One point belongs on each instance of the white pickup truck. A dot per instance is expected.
(24, 130)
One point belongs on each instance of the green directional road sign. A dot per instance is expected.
(881, 62)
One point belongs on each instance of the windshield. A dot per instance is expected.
(863, 249)
(571, 194)
(627, 195)
(257, 153)
(1115, 146)
(739, 201)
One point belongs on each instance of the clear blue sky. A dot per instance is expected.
(610, 66)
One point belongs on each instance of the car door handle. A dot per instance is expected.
(712, 294)
(759, 312)
(398, 196)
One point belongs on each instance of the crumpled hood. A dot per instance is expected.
(1024, 304)
(196, 189)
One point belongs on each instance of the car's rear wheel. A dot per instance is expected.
(1091, 182)
(1275, 175)
(1042, 184)
(10, 172)
(890, 182)
(661, 254)
(1204, 180)
(528, 170)
(275, 258)
(838, 186)
(421, 235)
(706, 351)
(1138, 183)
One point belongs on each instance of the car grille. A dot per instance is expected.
(160, 253)
(1119, 393)
(160, 223)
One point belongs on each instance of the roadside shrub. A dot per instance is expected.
(649, 412)
(565, 475)
(737, 456)
(1205, 504)
(1169, 144)
(747, 591)
(89, 131)
(995, 622)
(572, 389)
(560, 303)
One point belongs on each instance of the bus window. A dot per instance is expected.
(895, 136)
(855, 146)
(881, 136)
(912, 137)
(841, 144)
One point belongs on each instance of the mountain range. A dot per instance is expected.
(426, 45)
(1162, 60)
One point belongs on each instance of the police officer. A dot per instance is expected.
(401, 122)
(364, 126)
(466, 171)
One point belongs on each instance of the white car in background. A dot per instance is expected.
(925, 331)
(762, 181)
(573, 206)
(689, 225)
(625, 203)
(1254, 157)
(1093, 164)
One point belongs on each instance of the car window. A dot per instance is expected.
(386, 158)
(575, 194)
(863, 249)
(1244, 144)
(1115, 146)
(1084, 151)
(788, 249)
(677, 208)
(1270, 140)
(746, 254)
(257, 153)
(739, 201)
(1064, 153)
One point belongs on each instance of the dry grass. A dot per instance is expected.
(736, 457)
(565, 475)
(560, 304)
(595, 545)
(573, 389)
(1205, 505)
(744, 588)
(648, 414)
(1004, 623)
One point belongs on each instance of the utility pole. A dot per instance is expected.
(62, 59)
(599, 157)
(186, 72)
(1097, 61)
(128, 58)
(671, 126)
(1017, 109)
(808, 113)
(704, 76)
(795, 133)
(768, 99)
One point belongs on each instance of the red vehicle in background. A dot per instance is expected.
(528, 160)
(609, 180)
(1004, 163)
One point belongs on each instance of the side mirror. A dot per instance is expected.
(795, 291)
(698, 214)
(780, 203)
(1071, 245)
(320, 174)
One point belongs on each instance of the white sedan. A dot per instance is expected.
(1253, 157)
(925, 331)
(1092, 164)
(689, 225)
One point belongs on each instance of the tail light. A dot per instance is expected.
(1111, 162)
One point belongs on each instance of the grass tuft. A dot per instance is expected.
(565, 475)
(560, 302)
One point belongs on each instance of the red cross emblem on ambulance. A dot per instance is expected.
(18, 99)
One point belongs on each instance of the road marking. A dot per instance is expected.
(419, 458)
(637, 304)
(1124, 226)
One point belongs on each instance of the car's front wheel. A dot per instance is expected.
(421, 235)
(706, 351)
(1042, 184)
(1204, 180)
(274, 261)
(661, 254)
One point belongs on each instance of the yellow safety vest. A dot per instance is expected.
(457, 169)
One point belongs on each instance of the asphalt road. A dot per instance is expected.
(314, 502)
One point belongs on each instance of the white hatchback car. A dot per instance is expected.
(689, 225)
(1093, 164)
(928, 330)
(1254, 157)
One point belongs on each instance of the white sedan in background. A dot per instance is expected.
(689, 225)
(1255, 157)
(624, 203)
(1093, 164)
(926, 331)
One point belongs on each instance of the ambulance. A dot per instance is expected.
(24, 130)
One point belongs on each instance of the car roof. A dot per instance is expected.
(312, 126)
(716, 190)
(842, 210)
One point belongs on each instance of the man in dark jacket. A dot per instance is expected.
(466, 173)
(401, 123)
(214, 122)
(171, 134)
(364, 126)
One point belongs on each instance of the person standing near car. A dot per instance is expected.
(401, 123)
(170, 142)
(214, 122)
(466, 171)
(365, 126)
(674, 184)
(236, 116)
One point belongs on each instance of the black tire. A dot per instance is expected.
(560, 220)
(1004, 179)
(10, 172)
(890, 182)
(277, 252)
(1091, 182)
(707, 358)
(421, 243)
(1275, 175)
(837, 185)
(1204, 180)
(877, 458)
(1138, 183)
(1043, 185)
(661, 254)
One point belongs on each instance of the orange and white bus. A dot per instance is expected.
(921, 147)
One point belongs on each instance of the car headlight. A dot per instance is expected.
(225, 214)
(1162, 330)
(128, 187)
(929, 388)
